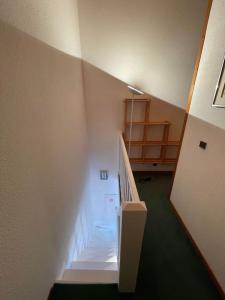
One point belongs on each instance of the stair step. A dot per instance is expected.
(89, 276)
(92, 265)
(98, 254)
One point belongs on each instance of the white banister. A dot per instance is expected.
(126, 174)
(133, 214)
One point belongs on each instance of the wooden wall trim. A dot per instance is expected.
(198, 57)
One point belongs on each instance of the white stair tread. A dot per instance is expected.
(93, 265)
(89, 276)
(102, 246)
(97, 255)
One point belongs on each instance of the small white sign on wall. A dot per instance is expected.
(111, 204)
(219, 97)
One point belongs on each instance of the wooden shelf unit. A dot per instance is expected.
(153, 143)
(148, 123)
(144, 143)
(167, 161)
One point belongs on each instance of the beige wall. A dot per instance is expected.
(53, 22)
(43, 160)
(198, 192)
(148, 43)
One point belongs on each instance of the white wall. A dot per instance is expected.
(148, 43)
(104, 100)
(53, 22)
(44, 163)
(199, 187)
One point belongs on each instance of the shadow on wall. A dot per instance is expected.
(44, 162)
(146, 42)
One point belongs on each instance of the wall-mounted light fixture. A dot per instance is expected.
(134, 90)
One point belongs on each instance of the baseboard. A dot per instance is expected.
(207, 267)
(153, 171)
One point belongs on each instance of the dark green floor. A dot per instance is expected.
(170, 269)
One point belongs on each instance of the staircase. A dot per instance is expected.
(97, 263)
(112, 253)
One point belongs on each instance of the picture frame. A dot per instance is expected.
(219, 95)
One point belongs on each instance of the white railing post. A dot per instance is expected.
(132, 224)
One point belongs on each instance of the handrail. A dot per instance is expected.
(128, 187)
(132, 223)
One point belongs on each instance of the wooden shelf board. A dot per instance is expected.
(153, 143)
(153, 160)
(137, 100)
(148, 123)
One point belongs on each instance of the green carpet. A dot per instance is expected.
(169, 269)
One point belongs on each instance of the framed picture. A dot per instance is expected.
(219, 96)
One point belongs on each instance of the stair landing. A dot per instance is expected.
(89, 276)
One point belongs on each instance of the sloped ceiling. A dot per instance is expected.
(151, 44)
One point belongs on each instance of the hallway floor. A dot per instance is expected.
(170, 269)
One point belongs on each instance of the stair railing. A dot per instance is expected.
(133, 214)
